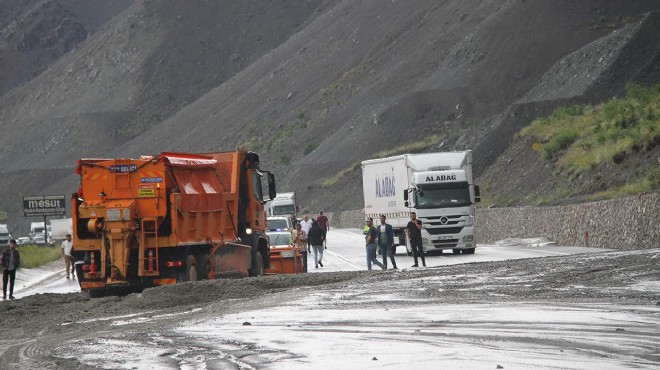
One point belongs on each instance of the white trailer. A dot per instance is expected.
(284, 204)
(59, 228)
(437, 186)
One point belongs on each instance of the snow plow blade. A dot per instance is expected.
(285, 261)
(230, 260)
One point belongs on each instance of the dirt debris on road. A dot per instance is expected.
(622, 278)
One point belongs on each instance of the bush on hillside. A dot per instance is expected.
(580, 138)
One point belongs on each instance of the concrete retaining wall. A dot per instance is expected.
(626, 223)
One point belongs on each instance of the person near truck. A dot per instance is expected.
(306, 224)
(324, 224)
(414, 232)
(315, 237)
(371, 244)
(386, 241)
(11, 261)
(67, 247)
(300, 241)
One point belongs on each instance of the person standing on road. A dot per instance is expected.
(67, 246)
(315, 236)
(306, 224)
(414, 232)
(11, 261)
(300, 241)
(324, 224)
(371, 240)
(386, 242)
(294, 220)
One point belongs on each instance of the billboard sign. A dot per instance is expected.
(46, 205)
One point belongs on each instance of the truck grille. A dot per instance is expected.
(444, 230)
(444, 220)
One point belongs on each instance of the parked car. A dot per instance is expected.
(279, 223)
(23, 240)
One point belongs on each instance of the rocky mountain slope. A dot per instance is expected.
(314, 86)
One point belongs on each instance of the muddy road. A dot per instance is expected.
(583, 311)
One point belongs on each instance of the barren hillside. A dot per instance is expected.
(317, 86)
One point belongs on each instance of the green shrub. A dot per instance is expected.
(310, 147)
(34, 256)
(559, 142)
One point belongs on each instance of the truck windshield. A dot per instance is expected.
(286, 209)
(435, 196)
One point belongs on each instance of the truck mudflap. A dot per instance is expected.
(285, 261)
(230, 260)
(85, 285)
(167, 281)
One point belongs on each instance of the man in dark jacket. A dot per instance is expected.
(414, 231)
(386, 242)
(315, 237)
(10, 262)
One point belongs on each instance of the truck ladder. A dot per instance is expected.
(148, 265)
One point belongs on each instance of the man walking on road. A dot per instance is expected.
(414, 232)
(67, 246)
(386, 242)
(324, 224)
(315, 236)
(370, 240)
(11, 261)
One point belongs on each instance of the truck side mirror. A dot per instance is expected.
(272, 193)
(405, 196)
(477, 195)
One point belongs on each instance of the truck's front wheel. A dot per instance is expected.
(258, 265)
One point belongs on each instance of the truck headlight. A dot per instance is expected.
(468, 238)
(469, 221)
(425, 241)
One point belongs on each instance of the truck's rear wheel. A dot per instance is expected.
(191, 269)
(202, 266)
(258, 265)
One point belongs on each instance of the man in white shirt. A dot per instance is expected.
(306, 224)
(67, 246)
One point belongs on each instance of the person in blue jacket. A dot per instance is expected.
(386, 241)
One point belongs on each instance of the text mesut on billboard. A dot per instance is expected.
(47, 205)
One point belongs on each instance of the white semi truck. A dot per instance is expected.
(438, 187)
(284, 204)
(5, 236)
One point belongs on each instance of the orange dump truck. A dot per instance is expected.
(168, 218)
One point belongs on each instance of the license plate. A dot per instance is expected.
(444, 237)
